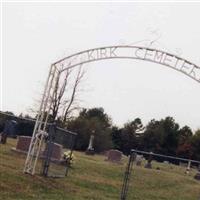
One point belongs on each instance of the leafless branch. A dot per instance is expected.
(68, 104)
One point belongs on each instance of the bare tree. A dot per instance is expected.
(66, 93)
(60, 88)
(68, 104)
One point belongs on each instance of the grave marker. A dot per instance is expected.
(114, 155)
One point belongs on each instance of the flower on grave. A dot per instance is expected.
(69, 157)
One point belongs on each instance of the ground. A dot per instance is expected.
(94, 178)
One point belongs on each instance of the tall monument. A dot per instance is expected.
(90, 149)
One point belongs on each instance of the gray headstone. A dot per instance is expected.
(114, 155)
(138, 160)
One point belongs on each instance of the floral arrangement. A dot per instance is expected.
(69, 157)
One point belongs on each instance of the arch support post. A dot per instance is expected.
(39, 132)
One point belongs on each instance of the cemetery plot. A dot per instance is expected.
(58, 153)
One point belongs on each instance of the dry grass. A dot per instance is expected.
(95, 179)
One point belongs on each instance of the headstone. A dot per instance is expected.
(148, 164)
(23, 143)
(90, 149)
(10, 129)
(57, 151)
(114, 156)
(138, 160)
(166, 162)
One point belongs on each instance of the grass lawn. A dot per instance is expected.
(93, 178)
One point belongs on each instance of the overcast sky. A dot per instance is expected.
(38, 34)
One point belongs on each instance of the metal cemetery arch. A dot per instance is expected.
(111, 52)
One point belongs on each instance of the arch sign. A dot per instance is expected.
(111, 52)
(132, 52)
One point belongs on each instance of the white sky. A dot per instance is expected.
(34, 35)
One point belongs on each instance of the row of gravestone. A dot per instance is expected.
(57, 153)
(140, 158)
(23, 143)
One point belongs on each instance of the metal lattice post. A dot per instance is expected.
(127, 174)
(49, 150)
(41, 122)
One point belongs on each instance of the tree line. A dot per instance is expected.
(164, 136)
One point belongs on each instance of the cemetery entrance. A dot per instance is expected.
(58, 69)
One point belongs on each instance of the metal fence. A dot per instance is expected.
(148, 159)
(58, 152)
